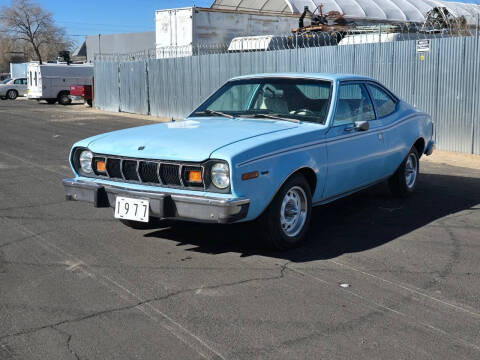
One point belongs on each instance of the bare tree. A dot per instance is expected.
(6, 47)
(27, 22)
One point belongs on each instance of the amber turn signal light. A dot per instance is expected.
(194, 176)
(101, 166)
(250, 175)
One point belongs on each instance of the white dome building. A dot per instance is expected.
(357, 10)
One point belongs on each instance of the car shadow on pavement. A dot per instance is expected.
(363, 221)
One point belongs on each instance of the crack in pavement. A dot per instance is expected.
(144, 302)
(68, 342)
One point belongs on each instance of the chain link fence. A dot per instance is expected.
(439, 76)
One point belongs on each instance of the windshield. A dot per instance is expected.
(276, 98)
(5, 81)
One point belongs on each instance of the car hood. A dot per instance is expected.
(192, 139)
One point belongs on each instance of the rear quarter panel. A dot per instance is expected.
(402, 131)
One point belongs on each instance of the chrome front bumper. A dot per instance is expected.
(162, 205)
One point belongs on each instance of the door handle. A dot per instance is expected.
(349, 128)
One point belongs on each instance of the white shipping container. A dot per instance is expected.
(187, 28)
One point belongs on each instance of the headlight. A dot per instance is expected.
(85, 160)
(220, 175)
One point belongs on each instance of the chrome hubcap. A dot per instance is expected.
(411, 170)
(293, 213)
(11, 95)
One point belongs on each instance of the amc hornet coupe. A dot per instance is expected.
(263, 147)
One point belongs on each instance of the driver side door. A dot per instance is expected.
(355, 155)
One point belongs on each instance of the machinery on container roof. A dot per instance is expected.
(331, 21)
(335, 25)
(441, 18)
(332, 25)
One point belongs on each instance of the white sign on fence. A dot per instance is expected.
(423, 46)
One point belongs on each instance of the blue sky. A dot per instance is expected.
(91, 17)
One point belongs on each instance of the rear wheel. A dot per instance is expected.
(3, 97)
(284, 225)
(404, 181)
(63, 98)
(12, 94)
(89, 102)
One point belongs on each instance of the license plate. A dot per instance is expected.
(132, 209)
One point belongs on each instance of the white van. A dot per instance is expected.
(370, 38)
(51, 82)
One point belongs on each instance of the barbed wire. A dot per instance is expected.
(339, 36)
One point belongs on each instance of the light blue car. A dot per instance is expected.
(263, 147)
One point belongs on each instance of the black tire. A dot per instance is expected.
(89, 102)
(63, 98)
(154, 223)
(276, 235)
(51, 101)
(12, 94)
(401, 185)
(3, 97)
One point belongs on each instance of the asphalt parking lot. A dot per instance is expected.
(379, 278)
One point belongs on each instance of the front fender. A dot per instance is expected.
(275, 161)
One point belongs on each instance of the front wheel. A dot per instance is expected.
(284, 225)
(12, 94)
(404, 181)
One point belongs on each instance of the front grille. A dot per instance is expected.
(148, 172)
(129, 168)
(170, 174)
(113, 168)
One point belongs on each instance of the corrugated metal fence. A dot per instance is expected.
(444, 82)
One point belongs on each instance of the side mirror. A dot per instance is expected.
(362, 125)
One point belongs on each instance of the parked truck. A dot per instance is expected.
(83, 93)
(51, 82)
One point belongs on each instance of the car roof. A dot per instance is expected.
(319, 76)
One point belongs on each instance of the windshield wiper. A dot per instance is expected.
(276, 117)
(213, 112)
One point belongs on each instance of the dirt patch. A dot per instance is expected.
(128, 115)
(454, 159)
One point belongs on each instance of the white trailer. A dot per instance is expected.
(51, 82)
(182, 31)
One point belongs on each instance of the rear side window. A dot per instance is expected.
(18, 82)
(353, 105)
(384, 104)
